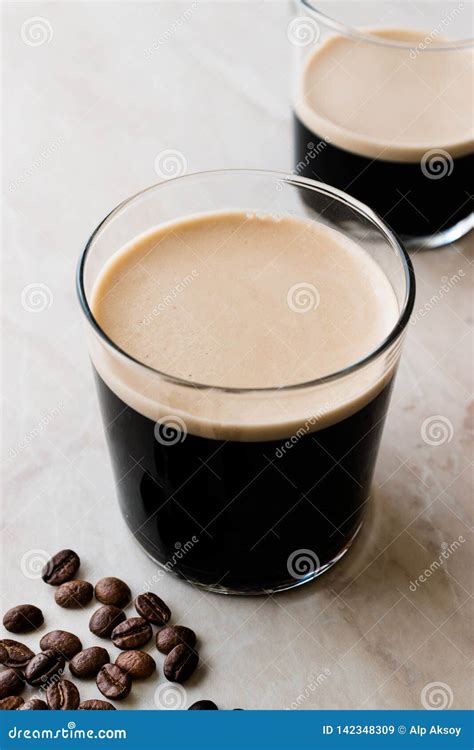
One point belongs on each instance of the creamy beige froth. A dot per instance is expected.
(389, 101)
(245, 302)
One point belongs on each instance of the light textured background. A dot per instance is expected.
(85, 115)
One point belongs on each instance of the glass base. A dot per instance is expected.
(430, 242)
(285, 586)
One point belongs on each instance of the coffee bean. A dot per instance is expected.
(137, 664)
(62, 567)
(43, 667)
(96, 705)
(33, 704)
(23, 618)
(168, 638)
(65, 643)
(203, 706)
(11, 683)
(132, 633)
(180, 663)
(14, 654)
(11, 703)
(105, 619)
(87, 663)
(74, 594)
(63, 696)
(152, 608)
(112, 591)
(113, 682)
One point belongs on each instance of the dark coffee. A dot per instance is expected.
(387, 118)
(240, 515)
(411, 202)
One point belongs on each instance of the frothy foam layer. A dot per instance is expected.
(388, 101)
(242, 301)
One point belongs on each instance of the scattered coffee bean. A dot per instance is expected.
(88, 662)
(152, 608)
(33, 704)
(43, 667)
(65, 643)
(132, 633)
(62, 696)
(113, 682)
(23, 618)
(137, 664)
(180, 663)
(62, 567)
(74, 594)
(168, 638)
(105, 619)
(11, 703)
(96, 705)
(203, 706)
(112, 591)
(14, 654)
(11, 683)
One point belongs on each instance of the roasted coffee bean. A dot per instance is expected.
(11, 703)
(152, 608)
(11, 683)
(63, 696)
(65, 643)
(113, 682)
(43, 667)
(87, 663)
(74, 594)
(33, 704)
(112, 591)
(180, 663)
(203, 706)
(96, 705)
(23, 618)
(132, 633)
(14, 654)
(168, 638)
(105, 619)
(62, 567)
(137, 664)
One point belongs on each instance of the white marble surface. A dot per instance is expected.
(86, 113)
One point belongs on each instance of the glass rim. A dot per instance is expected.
(312, 185)
(347, 30)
